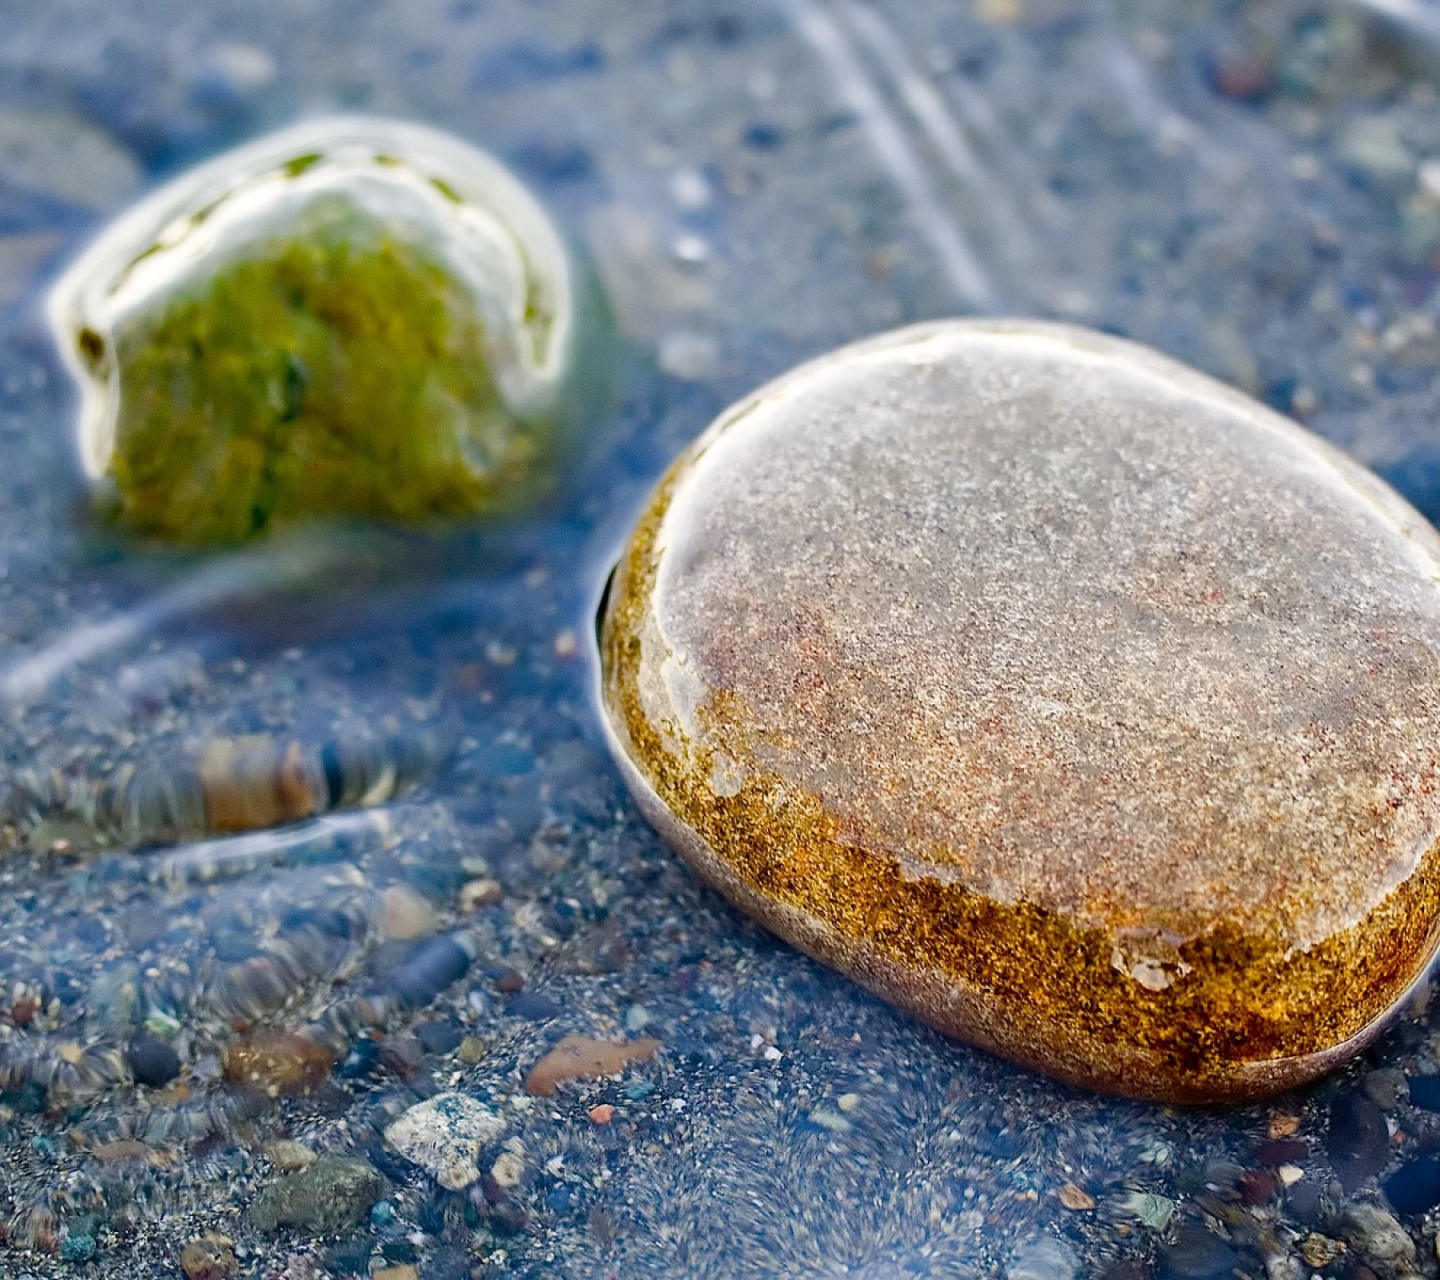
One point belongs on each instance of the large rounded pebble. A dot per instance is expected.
(1377, 1237)
(334, 1194)
(1056, 692)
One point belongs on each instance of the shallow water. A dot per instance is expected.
(1244, 187)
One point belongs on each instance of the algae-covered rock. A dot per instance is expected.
(333, 1194)
(352, 317)
(1058, 693)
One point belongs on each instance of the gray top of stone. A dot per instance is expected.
(1049, 615)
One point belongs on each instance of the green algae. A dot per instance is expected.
(337, 370)
(353, 318)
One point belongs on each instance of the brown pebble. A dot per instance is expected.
(208, 1257)
(1075, 1198)
(277, 1062)
(1319, 1251)
(402, 1054)
(581, 1057)
(1283, 1125)
(41, 1230)
(602, 1113)
(249, 782)
(484, 892)
(126, 1149)
(404, 1271)
(510, 982)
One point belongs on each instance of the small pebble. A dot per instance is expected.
(1283, 1125)
(1257, 1186)
(77, 1247)
(484, 892)
(402, 1054)
(1076, 1198)
(432, 967)
(637, 1018)
(831, 1121)
(152, 1061)
(601, 1113)
(508, 1169)
(509, 982)
(533, 1006)
(288, 1155)
(444, 1136)
(582, 1058)
(393, 304)
(333, 1195)
(1281, 1151)
(210, 1257)
(1152, 1210)
(405, 914)
(439, 1037)
(472, 1050)
(1319, 1250)
(282, 1063)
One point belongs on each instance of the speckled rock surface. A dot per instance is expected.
(1056, 692)
(444, 1135)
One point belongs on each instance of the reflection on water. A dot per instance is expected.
(1251, 190)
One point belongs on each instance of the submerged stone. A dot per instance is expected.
(334, 1194)
(444, 1135)
(1054, 691)
(352, 317)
